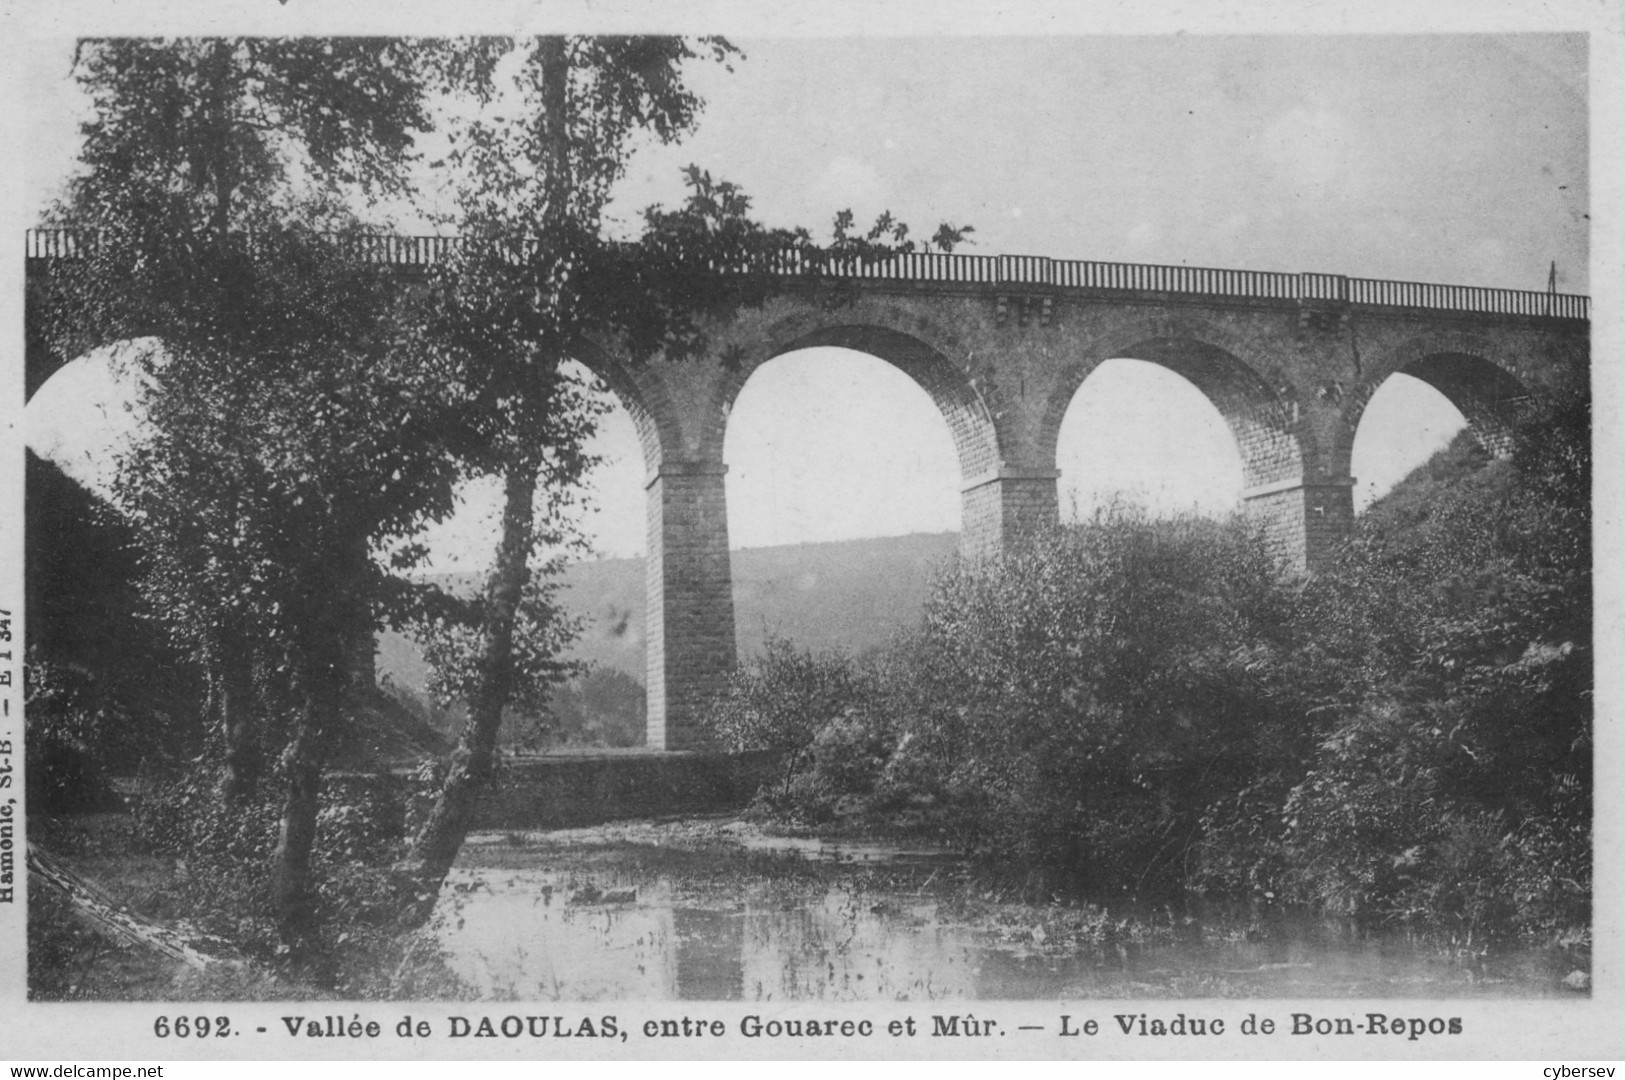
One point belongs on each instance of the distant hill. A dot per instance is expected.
(851, 594)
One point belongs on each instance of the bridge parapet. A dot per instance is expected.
(1016, 271)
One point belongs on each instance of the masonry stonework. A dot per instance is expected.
(1291, 381)
(1302, 522)
(998, 508)
(690, 608)
(1003, 344)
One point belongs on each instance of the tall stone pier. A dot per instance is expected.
(1002, 344)
(689, 621)
(1290, 379)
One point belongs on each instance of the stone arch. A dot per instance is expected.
(937, 362)
(1261, 411)
(1479, 376)
(41, 361)
(641, 393)
(689, 640)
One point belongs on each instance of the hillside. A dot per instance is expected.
(1463, 464)
(851, 594)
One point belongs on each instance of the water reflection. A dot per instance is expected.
(616, 931)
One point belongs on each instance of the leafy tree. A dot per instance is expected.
(85, 613)
(536, 275)
(292, 432)
(509, 310)
(287, 434)
(603, 707)
(105, 693)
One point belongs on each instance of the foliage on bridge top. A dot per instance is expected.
(1024, 271)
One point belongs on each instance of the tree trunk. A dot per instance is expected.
(555, 128)
(191, 948)
(291, 878)
(232, 680)
(474, 760)
(327, 673)
(219, 105)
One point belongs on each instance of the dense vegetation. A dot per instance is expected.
(102, 686)
(303, 418)
(1144, 710)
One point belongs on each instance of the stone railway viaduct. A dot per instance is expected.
(1001, 344)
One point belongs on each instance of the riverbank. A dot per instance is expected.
(721, 908)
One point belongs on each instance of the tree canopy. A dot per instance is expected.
(305, 413)
(286, 434)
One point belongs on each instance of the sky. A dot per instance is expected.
(1446, 157)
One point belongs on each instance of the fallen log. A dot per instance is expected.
(189, 947)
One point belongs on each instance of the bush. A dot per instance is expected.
(782, 701)
(223, 884)
(361, 831)
(850, 752)
(1138, 708)
(1447, 664)
(1085, 696)
(76, 732)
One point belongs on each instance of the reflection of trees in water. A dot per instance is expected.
(515, 934)
(518, 936)
(710, 954)
(846, 945)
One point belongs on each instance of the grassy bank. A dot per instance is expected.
(715, 872)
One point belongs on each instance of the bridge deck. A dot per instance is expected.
(1019, 271)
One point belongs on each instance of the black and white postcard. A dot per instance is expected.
(568, 531)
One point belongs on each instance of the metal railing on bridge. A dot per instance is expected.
(1021, 270)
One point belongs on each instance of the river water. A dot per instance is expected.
(644, 912)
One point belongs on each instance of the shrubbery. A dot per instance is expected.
(808, 709)
(1450, 655)
(602, 707)
(1071, 706)
(1132, 708)
(222, 884)
(81, 735)
(1087, 695)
